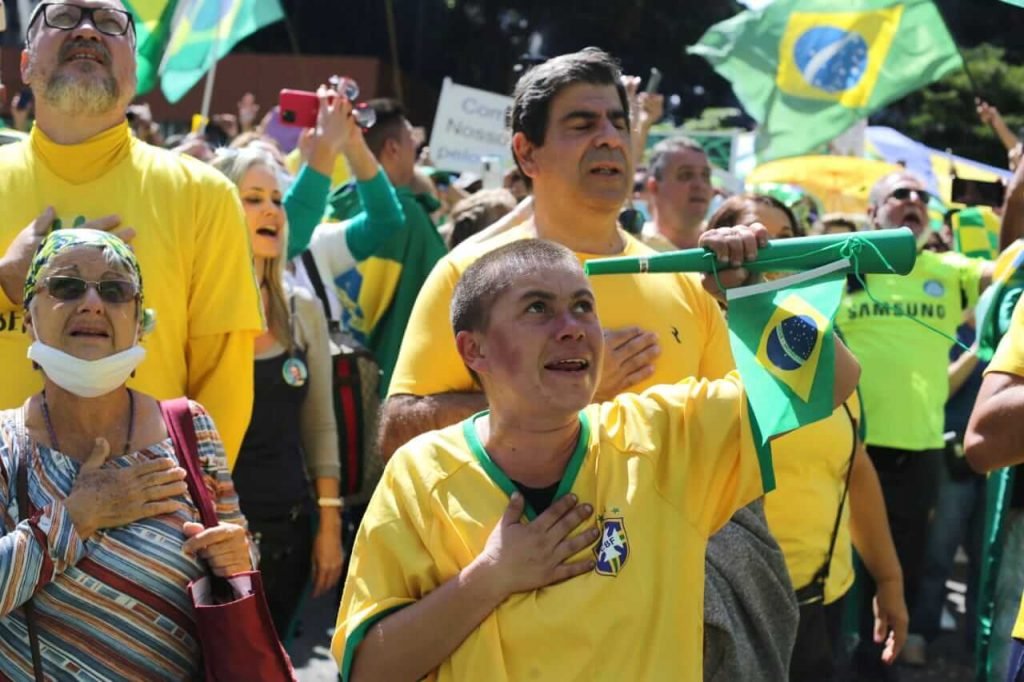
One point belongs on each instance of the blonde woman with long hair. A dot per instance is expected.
(292, 437)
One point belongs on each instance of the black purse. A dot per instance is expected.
(812, 657)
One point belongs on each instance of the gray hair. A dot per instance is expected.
(661, 151)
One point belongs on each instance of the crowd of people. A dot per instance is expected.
(407, 394)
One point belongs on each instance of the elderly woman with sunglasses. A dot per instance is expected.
(98, 563)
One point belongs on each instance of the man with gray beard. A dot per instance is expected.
(81, 166)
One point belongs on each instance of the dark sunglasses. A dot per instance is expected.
(107, 20)
(64, 288)
(903, 193)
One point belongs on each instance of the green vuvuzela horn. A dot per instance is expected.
(894, 252)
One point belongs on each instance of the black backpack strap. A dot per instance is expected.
(822, 574)
(313, 272)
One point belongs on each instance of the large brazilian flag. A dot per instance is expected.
(179, 40)
(807, 70)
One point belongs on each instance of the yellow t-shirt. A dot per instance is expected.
(663, 470)
(691, 330)
(192, 246)
(1009, 356)
(903, 364)
(810, 475)
(1009, 359)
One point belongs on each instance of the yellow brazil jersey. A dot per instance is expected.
(903, 364)
(690, 328)
(193, 249)
(810, 467)
(1009, 359)
(663, 470)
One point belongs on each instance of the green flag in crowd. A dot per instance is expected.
(1018, 3)
(781, 336)
(995, 307)
(153, 28)
(179, 40)
(807, 70)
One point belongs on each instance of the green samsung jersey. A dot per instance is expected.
(904, 380)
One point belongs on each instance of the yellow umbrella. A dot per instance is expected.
(841, 183)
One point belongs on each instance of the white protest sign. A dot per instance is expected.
(469, 126)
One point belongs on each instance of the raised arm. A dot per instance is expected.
(337, 132)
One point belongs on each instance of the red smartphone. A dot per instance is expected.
(299, 108)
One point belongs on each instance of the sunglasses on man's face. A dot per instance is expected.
(64, 288)
(903, 193)
(107, 20)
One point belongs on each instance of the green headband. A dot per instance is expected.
(59, 241)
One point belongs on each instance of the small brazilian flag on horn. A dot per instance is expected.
(781, 337)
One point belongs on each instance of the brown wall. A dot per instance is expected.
(265, 76)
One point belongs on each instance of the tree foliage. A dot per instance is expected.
(943, 115)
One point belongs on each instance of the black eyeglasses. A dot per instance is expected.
(107, 20)
(65, 288)
(903, 193)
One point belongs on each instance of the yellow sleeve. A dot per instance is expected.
(1009, 356)
(699, 434)
(224, 313)
(716, 358)
(220, 377)
(224, 295)
(390, 566)
(428, 361)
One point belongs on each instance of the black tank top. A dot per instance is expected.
(270, 474)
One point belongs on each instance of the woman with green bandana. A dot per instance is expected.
(101, 557)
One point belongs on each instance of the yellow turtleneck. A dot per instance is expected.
(192, 246)
(85, 162)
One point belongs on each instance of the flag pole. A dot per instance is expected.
(211, 74)
(963, 60)
(204, 112)
(396, 69)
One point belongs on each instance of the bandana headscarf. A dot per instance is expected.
(59, 241)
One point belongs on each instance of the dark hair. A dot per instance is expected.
(477, 211)
(496, 272)
(390, 122)
(660, 152)
(537, 87)
(739, 209)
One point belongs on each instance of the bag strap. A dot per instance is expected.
(178, 417)
(822, 574)
(313, 272)
(24, 511)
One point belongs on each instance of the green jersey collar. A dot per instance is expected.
(504, 482)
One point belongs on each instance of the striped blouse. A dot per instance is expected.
(114, 607)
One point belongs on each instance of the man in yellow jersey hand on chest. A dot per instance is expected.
(81, 167)
(549, 537)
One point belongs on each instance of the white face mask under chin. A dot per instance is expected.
(86, 378)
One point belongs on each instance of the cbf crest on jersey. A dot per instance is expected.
(612, 551)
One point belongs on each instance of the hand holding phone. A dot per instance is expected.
(977, 192)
